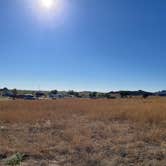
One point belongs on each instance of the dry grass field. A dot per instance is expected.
(84, 132)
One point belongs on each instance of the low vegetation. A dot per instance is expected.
(84, 132)
(14, 160)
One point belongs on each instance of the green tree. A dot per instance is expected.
(14, 93)
(124, 94)
(54, 92)
(145, 95)
(93, 95)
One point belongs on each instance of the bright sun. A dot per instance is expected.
(48, 3)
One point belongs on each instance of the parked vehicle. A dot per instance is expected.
(29, 97)
(56, 96)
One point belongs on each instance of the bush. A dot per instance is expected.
(15, 159)
(145, 95)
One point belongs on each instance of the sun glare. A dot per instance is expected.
(49, 13)
(48, 4)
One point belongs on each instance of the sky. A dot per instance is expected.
(83, 45)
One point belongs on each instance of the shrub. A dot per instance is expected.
(15, 159)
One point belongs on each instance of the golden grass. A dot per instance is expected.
(139, 110)
(86, 132)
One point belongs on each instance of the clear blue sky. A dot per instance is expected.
(91, 45)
